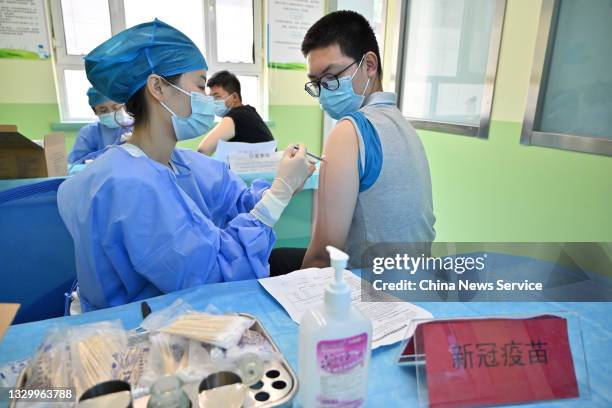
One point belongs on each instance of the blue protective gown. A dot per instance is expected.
(141, 230)
(92, 138)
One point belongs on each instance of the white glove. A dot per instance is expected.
(291, 174)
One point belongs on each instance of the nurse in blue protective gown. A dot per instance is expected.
(113, 127)
(148, 218)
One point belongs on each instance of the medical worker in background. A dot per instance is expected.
(113, 126)
(148, 218)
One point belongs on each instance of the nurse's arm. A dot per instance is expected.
(225, 130)
(84, 144)
(174, 246)
(234, 196)
(337, 194)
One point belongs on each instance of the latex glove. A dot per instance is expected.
(292, 172)
(311, 169)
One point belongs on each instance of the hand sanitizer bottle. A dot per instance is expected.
(334, 347)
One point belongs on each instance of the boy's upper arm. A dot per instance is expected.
(225, 130)
(338, 187)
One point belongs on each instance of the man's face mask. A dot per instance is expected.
(220, 108)
(344, 100)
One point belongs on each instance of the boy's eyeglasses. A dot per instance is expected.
(327, 81)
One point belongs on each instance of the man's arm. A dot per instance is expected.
(337, 194)
(225, 130)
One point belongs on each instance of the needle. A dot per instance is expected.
(297, 147)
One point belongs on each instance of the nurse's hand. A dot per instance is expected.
(312, 168)
(291, 174)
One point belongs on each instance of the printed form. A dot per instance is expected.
(227, 149)
(302, 290)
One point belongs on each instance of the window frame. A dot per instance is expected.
(63, 61)
(537, 85)
(482, 130)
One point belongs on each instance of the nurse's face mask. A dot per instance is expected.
(201, 118)
(108, 120)
(116, 119)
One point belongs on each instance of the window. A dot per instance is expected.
(86, 24)
(373, 10)
(228, 32)
(190, 23)
(570, 96)
(448, 62)
(76, 82)
(234, 27)
(249, 89)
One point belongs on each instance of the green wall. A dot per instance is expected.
(296, 116)
(34, 119)
(499, 190)
(294, 124)
(28, 98)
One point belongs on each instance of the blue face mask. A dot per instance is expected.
(220, 108)
(201, 118)
(108, 120)
(343, 100)
(115, 120)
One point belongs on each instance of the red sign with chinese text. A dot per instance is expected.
(478, 362)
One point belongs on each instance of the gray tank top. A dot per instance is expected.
(394, 211)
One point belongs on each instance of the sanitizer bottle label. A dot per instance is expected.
(342, 370)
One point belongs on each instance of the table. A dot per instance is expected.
(389, 384)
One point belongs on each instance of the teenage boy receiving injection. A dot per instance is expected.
(375, 185)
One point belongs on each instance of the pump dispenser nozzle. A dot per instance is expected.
(338, 294)
(338, 261)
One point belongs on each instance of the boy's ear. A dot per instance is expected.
(371, 62)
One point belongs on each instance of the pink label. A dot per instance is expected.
(342, 355)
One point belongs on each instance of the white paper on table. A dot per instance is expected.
(255, 162)
(225, 149)
(303, 290)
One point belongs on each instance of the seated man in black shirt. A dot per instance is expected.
(239, 123)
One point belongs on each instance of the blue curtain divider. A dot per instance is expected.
(27, 190)
(36, 251)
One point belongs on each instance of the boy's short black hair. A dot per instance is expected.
(350, 30)
(226, 80)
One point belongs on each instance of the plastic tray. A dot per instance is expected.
(277, 387)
